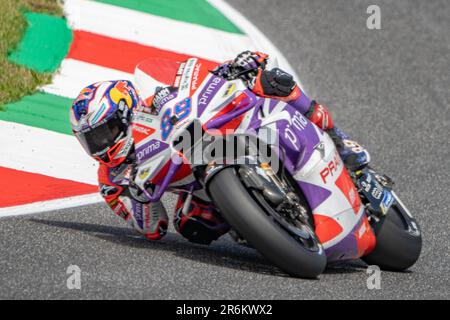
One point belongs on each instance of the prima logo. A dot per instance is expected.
(209, 91)
(150, 149)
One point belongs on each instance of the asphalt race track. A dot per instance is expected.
(389, 88)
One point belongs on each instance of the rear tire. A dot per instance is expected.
(398, 246)
(249, 219)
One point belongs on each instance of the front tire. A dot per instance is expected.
(248, 218)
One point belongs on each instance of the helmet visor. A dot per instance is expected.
(97, 141)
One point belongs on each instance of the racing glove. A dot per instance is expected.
(244, 66)
(250, 61)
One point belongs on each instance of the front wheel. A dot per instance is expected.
(291, 248)
(398, 240)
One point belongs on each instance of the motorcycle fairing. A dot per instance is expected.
(310, 155)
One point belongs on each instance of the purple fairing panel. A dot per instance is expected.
(255, 121)
(149, 149)
(314, 194)
(298, 138)
(208, 92)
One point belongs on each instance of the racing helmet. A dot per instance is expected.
(100, 118)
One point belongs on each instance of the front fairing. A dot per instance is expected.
(201, 97)
(311, 157)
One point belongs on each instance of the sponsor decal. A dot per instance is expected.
(149, 149)
(299, 121)
(126, 148)
(113, 202)
(352, 195)
(330, 169)
(181, 69)
(176, 82)
(137, 212)
(208, 92)
(143, 174)
(229, 90)
(194, 84)
(144, 117)
(123, 214)
(387, 201)
(186, 77)
(121, 211)
(143, 129)
(147, 220)
(162, 96)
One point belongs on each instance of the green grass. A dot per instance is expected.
(18, 81)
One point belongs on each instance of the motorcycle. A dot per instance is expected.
(287, 193)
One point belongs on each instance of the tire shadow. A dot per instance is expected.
(223, 252)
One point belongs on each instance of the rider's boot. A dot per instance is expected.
(355, 156)
(352, 153)
(201, 223)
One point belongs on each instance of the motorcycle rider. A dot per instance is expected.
(100, 117)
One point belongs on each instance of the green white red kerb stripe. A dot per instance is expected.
(42, 166)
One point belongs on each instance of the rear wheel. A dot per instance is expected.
(291, 246)
(399, 241)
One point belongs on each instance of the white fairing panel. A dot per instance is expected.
(325, 169)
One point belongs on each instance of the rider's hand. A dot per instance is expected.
(244, 66)
(249, 61)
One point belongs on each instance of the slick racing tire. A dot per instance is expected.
(398, 240)
(249, 218)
